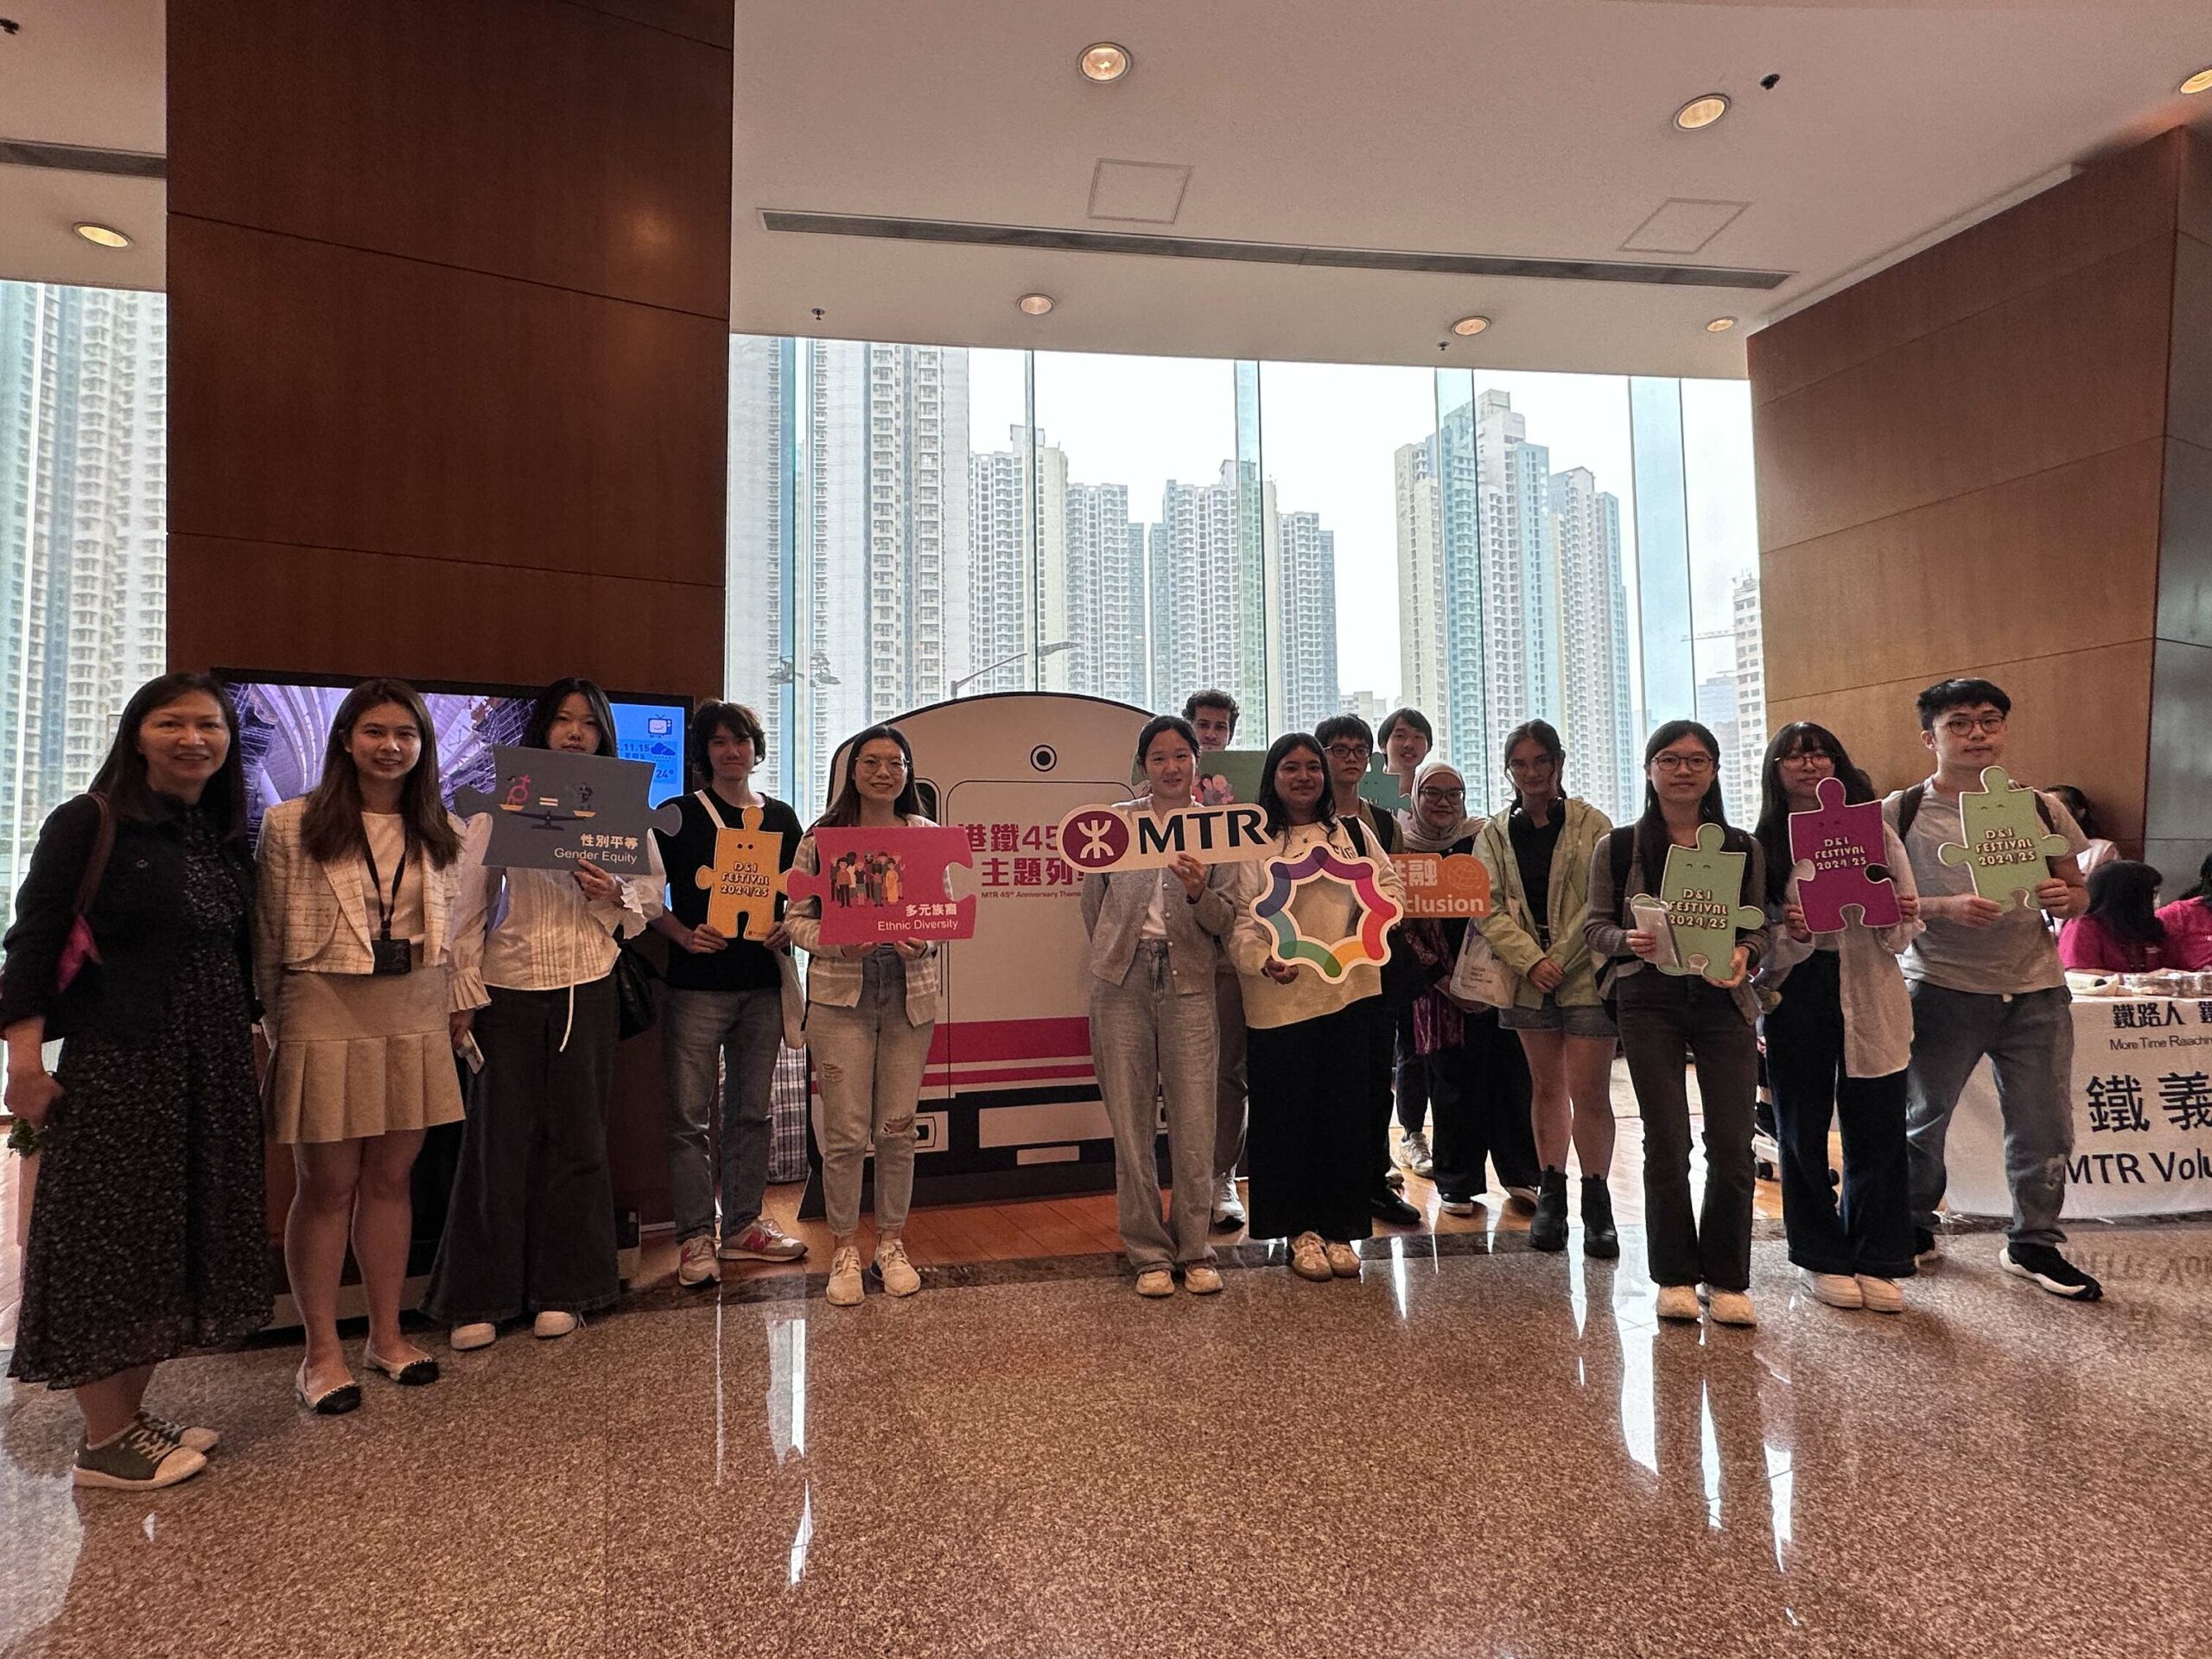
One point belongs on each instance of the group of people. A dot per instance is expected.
(318, 990)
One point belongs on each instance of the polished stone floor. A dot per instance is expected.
(1471, 1450)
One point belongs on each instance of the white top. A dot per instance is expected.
(1876, 1009)
(387, 834)
(533, 930)
(1154, 925)
(1323, 909)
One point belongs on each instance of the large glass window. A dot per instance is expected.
(84, 598)
(911, 523)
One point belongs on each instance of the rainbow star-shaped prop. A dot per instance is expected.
(1370, 941)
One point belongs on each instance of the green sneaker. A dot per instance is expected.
(192, 1440)
(140, 1459)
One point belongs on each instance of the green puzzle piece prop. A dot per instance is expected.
(2007, 842)
(1700, 889)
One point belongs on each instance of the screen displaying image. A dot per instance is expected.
(284, 723)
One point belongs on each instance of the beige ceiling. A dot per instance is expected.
(1533, 128)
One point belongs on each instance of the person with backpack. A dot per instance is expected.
(1538, 853)
(1670, 1020)
(1212, 713)
(722, 1025)
(1406, 738)
(1837, 1043)
(1986, 984)
(1315, 1045)
(1154, 938)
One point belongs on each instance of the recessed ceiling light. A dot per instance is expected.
(1701, 111)
(1104, 61)
(1467, 326)
(2199, 82)
(1720, 325)
(1035, 304)
(105, 236)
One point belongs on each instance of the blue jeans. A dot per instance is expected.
(741, 1030)
(2029, 1040)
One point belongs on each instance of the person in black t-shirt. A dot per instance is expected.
(725, 1001)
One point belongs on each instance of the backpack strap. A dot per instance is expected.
(1908, 808)
(1621, 851)
(1358, 835)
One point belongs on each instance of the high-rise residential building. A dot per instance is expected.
(1199, 593)
(84, 491)
(1369, 706)
(1750, 692)
(1592, 652)
(1716, 711)
(1521, 632)
(1106, 622)
(1421, 665)
(1305, 600)
(1001, 574)
(867, 510)
(756, 666)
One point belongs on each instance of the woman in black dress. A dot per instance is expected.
(146, 1234)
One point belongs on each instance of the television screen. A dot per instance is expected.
(285, 722)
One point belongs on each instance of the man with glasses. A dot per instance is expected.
(1986, 982)
(1348, 742)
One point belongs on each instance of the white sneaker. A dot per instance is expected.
(1228, 1208)
(1343, 1261)
(1677, 1302)
(466, 1337)
(1522, 1199)
(695, 1261)
(895, 1270)
(1456, 1206)
(845, 1288)
(1309, 1257)
(1732, 1307)
(1414, 1153)
(550, 1324)
(1836, 1290)
(1202, 1279)
(1155, 1281)
(1927, 1252)
(1880, 1295)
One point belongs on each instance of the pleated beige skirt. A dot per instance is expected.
(360, 1054)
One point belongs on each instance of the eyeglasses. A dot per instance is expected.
(1967, 725)
(1810, 757)
(871, 764)
(1440, 796)
(1683, 763)
(1349, 752)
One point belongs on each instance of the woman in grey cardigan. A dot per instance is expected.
(1154, 940)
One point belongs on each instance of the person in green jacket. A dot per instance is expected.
(1538, 853)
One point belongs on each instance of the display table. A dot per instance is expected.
(2142, 1116)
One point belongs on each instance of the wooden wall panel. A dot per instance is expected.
(2075, 366)
(543, 141)
(2117, 205)
(713, 22)
(1881, 601)
(337, 398)
(353, 614)
(2078, 717)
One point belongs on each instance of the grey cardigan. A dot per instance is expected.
(1113, 915)
(1607, 928)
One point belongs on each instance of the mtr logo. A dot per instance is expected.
(1097, 839)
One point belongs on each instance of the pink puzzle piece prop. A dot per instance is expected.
(879, 884)
(1838, 849)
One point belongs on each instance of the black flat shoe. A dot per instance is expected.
(331, 1402)
(413, 1375)
(1389, 1206)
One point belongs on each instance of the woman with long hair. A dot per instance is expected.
(1671, 1020)
(723, 1024)
(352, 963)
(148, 1237)
(2188, 922)
(531, 1226)
(2122, 932)
(870, 1011)
(1837, 1046)
(1537, 852)
(1154, 938)
(1314, 1044)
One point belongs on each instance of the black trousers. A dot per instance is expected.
(531, 1225)
(1410, 1078)
(1873, 1234)
(1480, 1093)
(1309, 1142)
(1668, 1022)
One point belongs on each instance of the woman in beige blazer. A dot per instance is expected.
(352, 960)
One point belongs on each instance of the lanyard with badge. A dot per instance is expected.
(389, 956)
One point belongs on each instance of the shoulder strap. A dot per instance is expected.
(1358, 835)
(1908, 808)
(714, 813)
(2043, 811)
(1621, 851)
(88, 884)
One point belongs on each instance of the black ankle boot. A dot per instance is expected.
(1599, 1238)
(1547, 1228)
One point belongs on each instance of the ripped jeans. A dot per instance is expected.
(868, 1060)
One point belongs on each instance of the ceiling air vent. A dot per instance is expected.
(75, 158)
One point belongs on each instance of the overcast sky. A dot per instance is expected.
(1328, 434)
